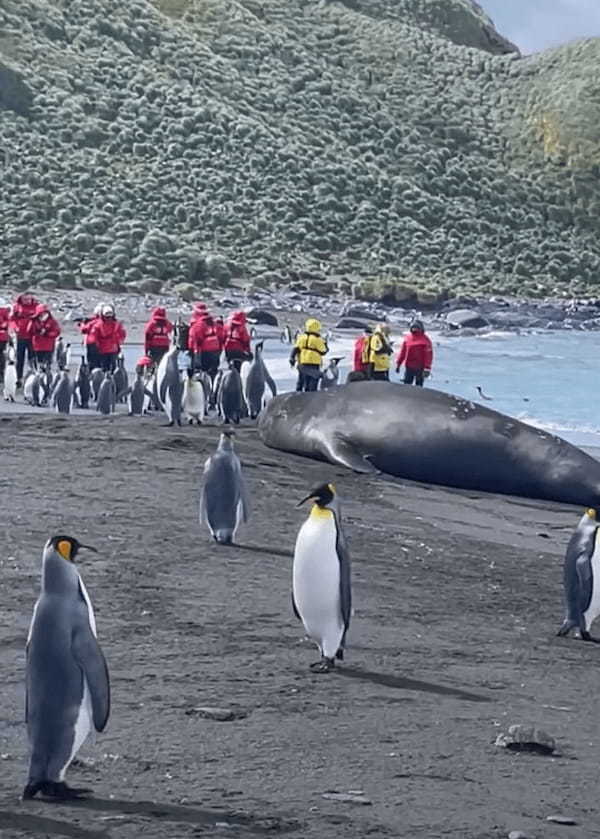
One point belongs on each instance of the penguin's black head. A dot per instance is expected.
(322, 495)
(67, 546)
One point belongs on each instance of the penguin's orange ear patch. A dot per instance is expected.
(64, 548)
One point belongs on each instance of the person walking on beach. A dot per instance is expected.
(43, 330)
(108, 334)
(308, 353)
(4, 337)
(416, 353)
(157, 334)
(236, 341)
(377, 352)
(85, 327)
(23, 310)
(358, 365)
(205, 341)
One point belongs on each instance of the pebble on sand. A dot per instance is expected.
(218, 714)
(347, 797)
(526, 738)
(566, 820)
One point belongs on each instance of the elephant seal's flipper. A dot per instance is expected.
(339, 450)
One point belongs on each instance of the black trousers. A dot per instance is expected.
(108, 361)
(412, 375)
(308, 380)
(381, 375)
(44, 356)
(93, 356)
(2, 359)
(156, 353)
(23, 348)
(209, 362)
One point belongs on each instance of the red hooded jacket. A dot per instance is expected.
(21, 315)
(205, 335)
(4, 321)
(43, 333)
(198, 312)
(108, 334)
(416, 352)
(158, 330)
(236, 335)
(358, 363)
(86, 329)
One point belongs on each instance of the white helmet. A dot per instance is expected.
(98, 309)
(108, 311)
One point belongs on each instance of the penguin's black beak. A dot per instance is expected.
(304, 500)
(89, 548)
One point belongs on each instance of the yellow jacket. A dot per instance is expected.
(377, 351)
(309, 349)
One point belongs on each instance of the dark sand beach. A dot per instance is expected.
(457, 598)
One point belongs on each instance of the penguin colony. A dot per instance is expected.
(67, 678)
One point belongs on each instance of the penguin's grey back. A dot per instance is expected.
(106, 396)
(137, 396)
(224, 501)
(62, 395)
(231, 397)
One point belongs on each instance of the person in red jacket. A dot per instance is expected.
(85, 327)
(157, 334)
(108, 334)
(416, 353)
(43, 331)
(206, 342)
(358, 365)
(4, 337)
(236, 340)
(23, 309)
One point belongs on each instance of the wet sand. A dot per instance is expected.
(457, 599)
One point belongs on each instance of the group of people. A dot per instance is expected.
(31, 328)
(205, 338)
(372, 357)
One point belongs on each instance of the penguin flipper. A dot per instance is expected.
(295, 608)
(341, 451)
(345, 578)
(271, 384)
(89, 657)
(586, 584)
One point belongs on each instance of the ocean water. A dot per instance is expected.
(548, 379)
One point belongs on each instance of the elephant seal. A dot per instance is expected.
(426, 435)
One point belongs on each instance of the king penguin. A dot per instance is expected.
(582, 578)
(321, 585)
(223, 500)
(68, 690)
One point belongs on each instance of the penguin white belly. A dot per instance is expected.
(168, 405)
(83, 725)
(316, 583)
(593, 609)
(10, 383)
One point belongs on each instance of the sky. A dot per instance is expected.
(534, 25)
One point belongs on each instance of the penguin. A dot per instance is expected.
(10, 376)
(31, 388)
(136, 398)
(121, 379)
(107, 395)
(286, 335)
(193, 398)
(170, 386)
(62, 354)
(256, 380)
(321, 579)
(96, 379)
(223, 499)
(83, 388)
(62, 394)
(230, 399)
(67, 683)
(582, 578)
(331, 374)
(45, 381)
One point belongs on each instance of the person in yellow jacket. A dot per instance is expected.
(377, 352)
(308, 353)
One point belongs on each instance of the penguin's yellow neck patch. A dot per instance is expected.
(64, 549)
(320, 512)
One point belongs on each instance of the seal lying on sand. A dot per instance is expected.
(427, 435)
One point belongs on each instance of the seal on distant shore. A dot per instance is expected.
(427, 435)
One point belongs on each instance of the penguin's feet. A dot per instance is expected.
(582, 635)
(325, 665)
